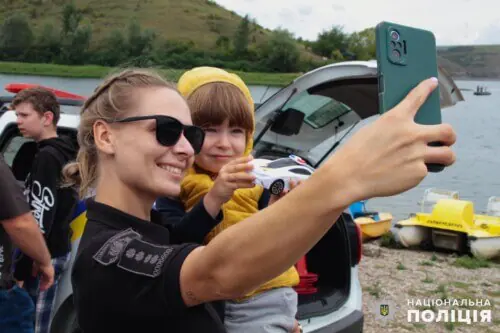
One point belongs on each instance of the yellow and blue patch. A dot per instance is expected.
(78, 222)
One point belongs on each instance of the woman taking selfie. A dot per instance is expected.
(136, 141)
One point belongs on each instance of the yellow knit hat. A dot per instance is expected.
(199, 76)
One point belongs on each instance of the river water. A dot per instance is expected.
(476, 121)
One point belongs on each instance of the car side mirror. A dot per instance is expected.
(288, 122)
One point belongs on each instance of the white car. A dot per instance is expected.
(275, 175)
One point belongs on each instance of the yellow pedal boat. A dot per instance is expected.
(448, 222)
(371, 228)
(372, 224)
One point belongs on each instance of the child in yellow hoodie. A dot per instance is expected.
(221, 103)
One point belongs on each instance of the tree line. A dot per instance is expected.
(68, 42)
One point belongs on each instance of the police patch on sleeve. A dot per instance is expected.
(111, 251)
(143, 258)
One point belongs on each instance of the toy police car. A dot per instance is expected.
(275, 175)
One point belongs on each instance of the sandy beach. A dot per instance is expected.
(402, 276)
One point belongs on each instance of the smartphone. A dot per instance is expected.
(405, 57)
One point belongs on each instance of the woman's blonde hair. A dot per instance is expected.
(110, 101)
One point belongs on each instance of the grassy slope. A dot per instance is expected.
(200, 21)
(476, 61)
(203, 22)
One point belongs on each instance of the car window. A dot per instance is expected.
(280, 163)
(11, 141)
(12, 147)
(329, 109)
(70, 109)
(319, 110)
(300, 171)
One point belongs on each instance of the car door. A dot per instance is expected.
(332, 98)
(17, 151)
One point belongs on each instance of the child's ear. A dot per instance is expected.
(49, 118)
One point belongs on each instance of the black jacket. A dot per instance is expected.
(43, 182)
(189, 227)
(51, 203)
(173, 209)
(195, 225)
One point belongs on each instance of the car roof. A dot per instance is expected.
(69, 117)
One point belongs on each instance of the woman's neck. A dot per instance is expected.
(116, 194)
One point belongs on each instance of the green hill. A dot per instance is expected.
(200, 21)
(208, 26)
(475, 61)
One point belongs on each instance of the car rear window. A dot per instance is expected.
(300, 171)
(280, 163)
(319, 110)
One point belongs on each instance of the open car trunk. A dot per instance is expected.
(309, 118)
(331, 259)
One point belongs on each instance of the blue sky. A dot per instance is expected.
(456, 22)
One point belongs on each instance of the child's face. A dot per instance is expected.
(30, 122)
(222, 144)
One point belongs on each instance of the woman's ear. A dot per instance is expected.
(103, 137)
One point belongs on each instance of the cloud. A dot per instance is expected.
(305, 10)
(452, 21)
(489, 35)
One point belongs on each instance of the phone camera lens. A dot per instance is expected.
(394, 35)
(396, 54)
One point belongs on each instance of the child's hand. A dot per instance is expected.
(274, 198)
(231, 177)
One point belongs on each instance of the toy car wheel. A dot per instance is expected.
(277, 187)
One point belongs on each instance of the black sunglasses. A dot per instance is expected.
(169, 131)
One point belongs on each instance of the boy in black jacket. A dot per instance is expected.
(37, 113)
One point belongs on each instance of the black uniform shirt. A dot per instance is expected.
(126, 277)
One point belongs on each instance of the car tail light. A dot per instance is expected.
(360, 243)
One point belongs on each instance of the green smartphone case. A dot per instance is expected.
(405, 57)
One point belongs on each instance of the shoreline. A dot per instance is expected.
(471, 78)
(399, 276)
(99, 72)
